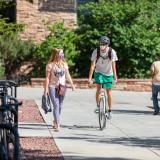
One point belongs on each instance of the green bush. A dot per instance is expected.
(59, 37)
(134, 30)
(2, 72)
(13, 52)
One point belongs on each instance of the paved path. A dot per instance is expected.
(132, 134)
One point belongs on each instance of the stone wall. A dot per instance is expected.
(85, 1)
(36, 15)
(140, 85)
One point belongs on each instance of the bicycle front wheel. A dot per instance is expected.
(101, 115)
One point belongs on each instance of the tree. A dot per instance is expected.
(13, 50)
(134, 30)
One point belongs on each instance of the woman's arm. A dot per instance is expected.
(46, 81)
(69, 78)
(114, 70)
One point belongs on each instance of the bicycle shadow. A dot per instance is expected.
(81, 127)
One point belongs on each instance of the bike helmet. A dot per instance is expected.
(104, 39)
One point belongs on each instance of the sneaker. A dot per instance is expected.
(96, 110)
(155, 112)
(109, 116)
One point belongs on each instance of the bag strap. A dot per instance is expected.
(109, 53)
(98, 54)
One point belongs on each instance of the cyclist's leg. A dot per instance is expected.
(98, 91)
(98, 80)
(109, 98)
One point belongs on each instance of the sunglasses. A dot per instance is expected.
(103, 44)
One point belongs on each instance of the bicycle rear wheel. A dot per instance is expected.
(101, 115)
(3, 144)
(11, 146)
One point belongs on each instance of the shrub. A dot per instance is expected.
(13, 52)
(59, 37)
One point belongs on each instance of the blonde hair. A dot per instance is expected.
(158, 58)
(54, 57)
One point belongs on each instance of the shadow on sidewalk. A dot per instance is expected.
(133, 112)
(97, 158)
(34, 126)
(152, 142)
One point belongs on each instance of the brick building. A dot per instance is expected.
(36, 15)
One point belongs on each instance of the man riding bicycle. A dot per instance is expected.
(103, 64)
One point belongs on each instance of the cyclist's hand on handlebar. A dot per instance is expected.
(115, 80)
(90, 81)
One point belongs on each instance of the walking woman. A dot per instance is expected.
(56, 75)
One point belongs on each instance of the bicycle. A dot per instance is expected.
(9, 142)
(9, 87)
(9, 138)
(102, 111)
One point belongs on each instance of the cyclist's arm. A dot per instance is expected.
(91, 70)
(114, 70)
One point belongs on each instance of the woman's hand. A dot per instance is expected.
(45, 92)
(73, 87)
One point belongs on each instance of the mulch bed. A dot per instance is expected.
(39, 148)
(29, 112)
(36, 148)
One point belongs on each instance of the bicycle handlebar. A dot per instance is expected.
(7, 106)
(8, 83)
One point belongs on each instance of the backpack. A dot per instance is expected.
(98, 53)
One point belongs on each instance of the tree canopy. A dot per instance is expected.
(134, 30)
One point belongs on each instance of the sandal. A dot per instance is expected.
(56, 129)
(55, 126)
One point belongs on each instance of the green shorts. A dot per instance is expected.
(106, 81)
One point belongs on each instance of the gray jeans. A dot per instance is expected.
(57, 103)
(155, 91)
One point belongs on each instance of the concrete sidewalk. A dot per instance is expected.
(132, 134)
